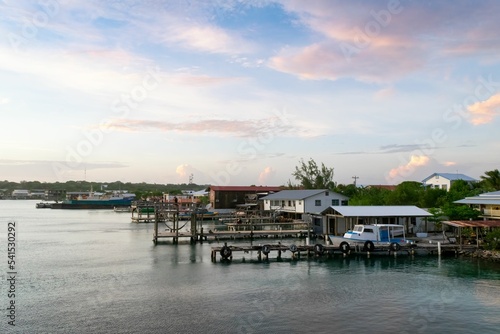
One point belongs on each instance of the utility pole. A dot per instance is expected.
(355, 179)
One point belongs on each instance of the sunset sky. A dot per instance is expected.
(238, 92)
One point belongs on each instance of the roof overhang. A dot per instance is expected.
(473, 223)
(479, 201)
(377, 211)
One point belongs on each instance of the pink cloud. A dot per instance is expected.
(265, 175)
(271, 126)
(203, 80)
(404, 170)
(327, 61)
(374, 42)
(484, 112)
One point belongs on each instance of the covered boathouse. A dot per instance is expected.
(339, 219)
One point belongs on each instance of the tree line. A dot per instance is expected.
(140, 189)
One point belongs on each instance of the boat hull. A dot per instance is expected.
(92, 204)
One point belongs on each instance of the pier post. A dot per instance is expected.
(193, 227)
(155, 237)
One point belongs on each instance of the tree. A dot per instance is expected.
(460, 212)
(311, 176)
(406, 193)
(491, 179)
(368, 196)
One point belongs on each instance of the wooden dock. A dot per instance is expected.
(168, 214)
(251, 231)
(320, 250)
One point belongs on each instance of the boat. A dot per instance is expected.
(122, 209)
(202, 214)
(375, 234)
(93, 200)
(44, 205)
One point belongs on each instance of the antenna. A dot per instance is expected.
(191, 176)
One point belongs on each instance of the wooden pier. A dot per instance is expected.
(320, 250)
(163, 213)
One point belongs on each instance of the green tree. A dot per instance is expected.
(437, 217)
(491, 179)
(349, 190)
(311, 176)
(460, 212)
(406, 193)
(369, 196)
(432, 198)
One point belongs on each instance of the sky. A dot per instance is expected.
(240, 92)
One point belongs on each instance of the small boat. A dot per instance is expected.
(377, 233)
(371, 235)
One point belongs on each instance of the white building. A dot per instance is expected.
(295, 203)
(445, 180)
(20, 194)
(487, 203)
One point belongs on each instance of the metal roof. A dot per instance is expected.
(473, 223)
(451, 177)
(492, 198)
(379, 211)
(244, 188)
(478, 201)
(299, 194)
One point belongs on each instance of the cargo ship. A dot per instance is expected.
(94, 200)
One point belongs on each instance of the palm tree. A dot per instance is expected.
(492, 179)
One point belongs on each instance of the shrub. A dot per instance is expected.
(492, 240)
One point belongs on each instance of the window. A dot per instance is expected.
(327, 193)
(344, 203)
(335, 202)
(317, 202)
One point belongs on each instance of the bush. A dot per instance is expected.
(492, 240)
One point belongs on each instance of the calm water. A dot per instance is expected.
(94, 271)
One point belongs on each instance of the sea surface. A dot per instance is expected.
(94, 271)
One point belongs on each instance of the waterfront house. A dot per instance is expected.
(20, 194)
(295, 203)
(487, 203)
(445, 180)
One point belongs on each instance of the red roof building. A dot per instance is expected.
(229, 197)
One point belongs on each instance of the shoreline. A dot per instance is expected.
(490, 255)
